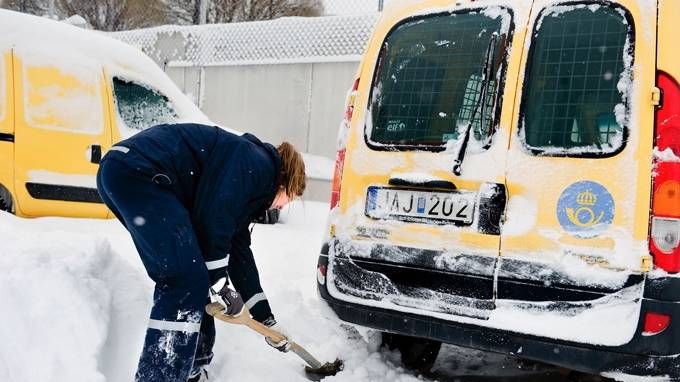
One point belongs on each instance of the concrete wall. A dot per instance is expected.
(302, 103)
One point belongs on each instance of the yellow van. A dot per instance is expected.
(508, 179)
(65, 95)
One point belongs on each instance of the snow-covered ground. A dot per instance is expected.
(75, 300)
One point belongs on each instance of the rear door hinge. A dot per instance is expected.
(646, 265)
(657, 96)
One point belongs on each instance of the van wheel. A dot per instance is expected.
(6, 200)
(417, 354)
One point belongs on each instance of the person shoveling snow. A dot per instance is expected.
(187, 193)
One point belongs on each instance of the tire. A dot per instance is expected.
(6, 203)
(417, 354)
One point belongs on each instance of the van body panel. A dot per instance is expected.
(668, 57)
(62, 121)
(575, 210)
(466, 252)
(367, 166)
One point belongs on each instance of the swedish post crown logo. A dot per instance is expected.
(585, 209)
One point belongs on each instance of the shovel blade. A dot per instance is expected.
(326, 370)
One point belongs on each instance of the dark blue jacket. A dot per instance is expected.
(224, 181)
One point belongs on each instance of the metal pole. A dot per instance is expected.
(381, 5)
(52, 12)
(202, 11)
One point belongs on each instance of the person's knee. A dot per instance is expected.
(195, 279)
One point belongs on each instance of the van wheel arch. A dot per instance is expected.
(418, 354)
(6, 201)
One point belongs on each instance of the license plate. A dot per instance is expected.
(421, 206)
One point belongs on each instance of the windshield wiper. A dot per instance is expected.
(487, 72)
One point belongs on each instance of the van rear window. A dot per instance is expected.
(578, 76)
(437, 79)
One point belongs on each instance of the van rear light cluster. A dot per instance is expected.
(342, 146)
(655, 323)
(664, 242)
(337, 177)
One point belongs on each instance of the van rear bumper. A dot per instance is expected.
(642, 356)
(579, 357)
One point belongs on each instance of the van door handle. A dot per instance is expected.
(493, 198)
(95, 154)
(441, 184)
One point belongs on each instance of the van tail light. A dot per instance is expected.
(664, 243)
(343, 135)
(655, 323)
(337, 178)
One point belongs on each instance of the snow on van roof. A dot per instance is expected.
(288, 39)
(62, 45)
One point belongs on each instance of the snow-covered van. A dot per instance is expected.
(508, 179)
(65, 95)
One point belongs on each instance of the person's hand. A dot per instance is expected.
(231, 300)
(282, 346)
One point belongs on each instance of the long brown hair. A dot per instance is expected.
(292, 175)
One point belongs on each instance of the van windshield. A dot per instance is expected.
(430, 81)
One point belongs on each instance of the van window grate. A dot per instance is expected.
(572, 103)
(429, 81)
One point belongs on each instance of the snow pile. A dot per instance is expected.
(68, 300)
(76, 301)
(318, 167)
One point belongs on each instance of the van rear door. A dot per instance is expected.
(423, 182)
(579, 164)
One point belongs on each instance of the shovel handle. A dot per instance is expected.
(216, 310)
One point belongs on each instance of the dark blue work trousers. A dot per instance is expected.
(180, 336)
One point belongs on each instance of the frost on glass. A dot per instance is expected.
(431, 84)
(140, 107)
(578, 81)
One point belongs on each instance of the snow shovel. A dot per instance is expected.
(316, 370)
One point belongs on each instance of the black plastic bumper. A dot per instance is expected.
(643, 355)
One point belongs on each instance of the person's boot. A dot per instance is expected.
(202, 376)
